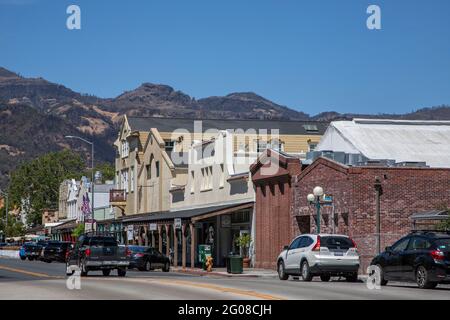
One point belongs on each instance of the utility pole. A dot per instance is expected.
(378, 193)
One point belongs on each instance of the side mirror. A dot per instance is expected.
(286, 248)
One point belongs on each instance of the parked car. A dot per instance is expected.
(147, 258)
(55, 251)
(95, 252)
(323, 255)
(44, 244)
(3, 244)
(29, 250)
(422, 257)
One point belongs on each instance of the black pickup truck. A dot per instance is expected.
(97, 252)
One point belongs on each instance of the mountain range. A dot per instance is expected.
(36, 115)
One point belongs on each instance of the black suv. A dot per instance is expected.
(422, 257)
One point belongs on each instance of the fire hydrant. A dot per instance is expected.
(209, 263)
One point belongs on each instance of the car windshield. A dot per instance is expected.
(443, 244)
(336, 242)
(103, 242)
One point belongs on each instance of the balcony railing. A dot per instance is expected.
(117, 195)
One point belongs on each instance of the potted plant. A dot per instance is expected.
(244, 242)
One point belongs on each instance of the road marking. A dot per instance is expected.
(197, 285)
(30, 273)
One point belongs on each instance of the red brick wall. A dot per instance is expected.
(405, 191)
(272, 222)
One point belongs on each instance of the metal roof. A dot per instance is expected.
(399, 140)
(431, 215)
(172, 124)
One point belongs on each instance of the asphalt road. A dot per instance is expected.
(39, 280)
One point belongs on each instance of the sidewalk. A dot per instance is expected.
(248, 272)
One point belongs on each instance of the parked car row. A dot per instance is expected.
(46, 251)
(422, 257)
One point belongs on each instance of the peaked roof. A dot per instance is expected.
(172, 124)
(400, 140)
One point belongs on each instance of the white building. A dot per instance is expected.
(403, 141)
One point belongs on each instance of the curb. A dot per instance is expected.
(221, 274)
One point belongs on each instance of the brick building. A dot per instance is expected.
(272, 175)
(404, 191)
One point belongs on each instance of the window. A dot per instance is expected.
(157, 168)
(400, 245)
(312, 146)
(132, 179)
(261, 145)
(148, 169)
(125, 148)
(296, 243)
(169, 145)
(192, 182)
(277, 145)
(222, 176)
(210, 178)
(418, 243)
(310, 128)
(202, 187)
(124, 179)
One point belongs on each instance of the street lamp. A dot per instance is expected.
(314, 198)
(6, 211)
(92, 173)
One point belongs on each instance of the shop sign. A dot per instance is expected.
(177, 223)
(153, 227)
(130, 229)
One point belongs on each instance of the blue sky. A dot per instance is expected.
(312, 56)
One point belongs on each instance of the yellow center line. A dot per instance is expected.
(197, 285)
(30, 273)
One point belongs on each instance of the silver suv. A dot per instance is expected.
(323, 255)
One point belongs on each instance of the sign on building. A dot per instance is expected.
(177, 223)
(153, 227)
(130, 229)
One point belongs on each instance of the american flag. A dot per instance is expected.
(85, 207)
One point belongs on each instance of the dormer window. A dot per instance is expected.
(125, 149)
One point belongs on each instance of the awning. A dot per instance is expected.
(68, 225)
(195, 214)
(431, 215)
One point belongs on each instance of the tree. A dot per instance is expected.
(35, 184)
(78, 231)
(14, 229)
(444, 225)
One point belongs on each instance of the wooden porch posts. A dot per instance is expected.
(183, 246)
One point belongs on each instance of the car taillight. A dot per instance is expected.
(87, 253)
(317, 245)
(437, 255)
(128, 251)
(139, 255)
(354, 244)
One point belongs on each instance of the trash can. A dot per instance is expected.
(234, 264)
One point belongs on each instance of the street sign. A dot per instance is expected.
(177, 223)
(153, 227)
(327, 199)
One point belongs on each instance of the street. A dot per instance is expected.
(39, 280)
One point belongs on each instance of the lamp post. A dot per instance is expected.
(314, 198)
(92, 171)
(6, 212)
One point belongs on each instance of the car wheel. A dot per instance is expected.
(106, 272)
(282, 272)
(325, 277)
(306, 272)
(84, 271)
(22, 258)
(352, 278)
(148, 266)
(121, 272)
(166, 267)
(422, 279)
(383, 281)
